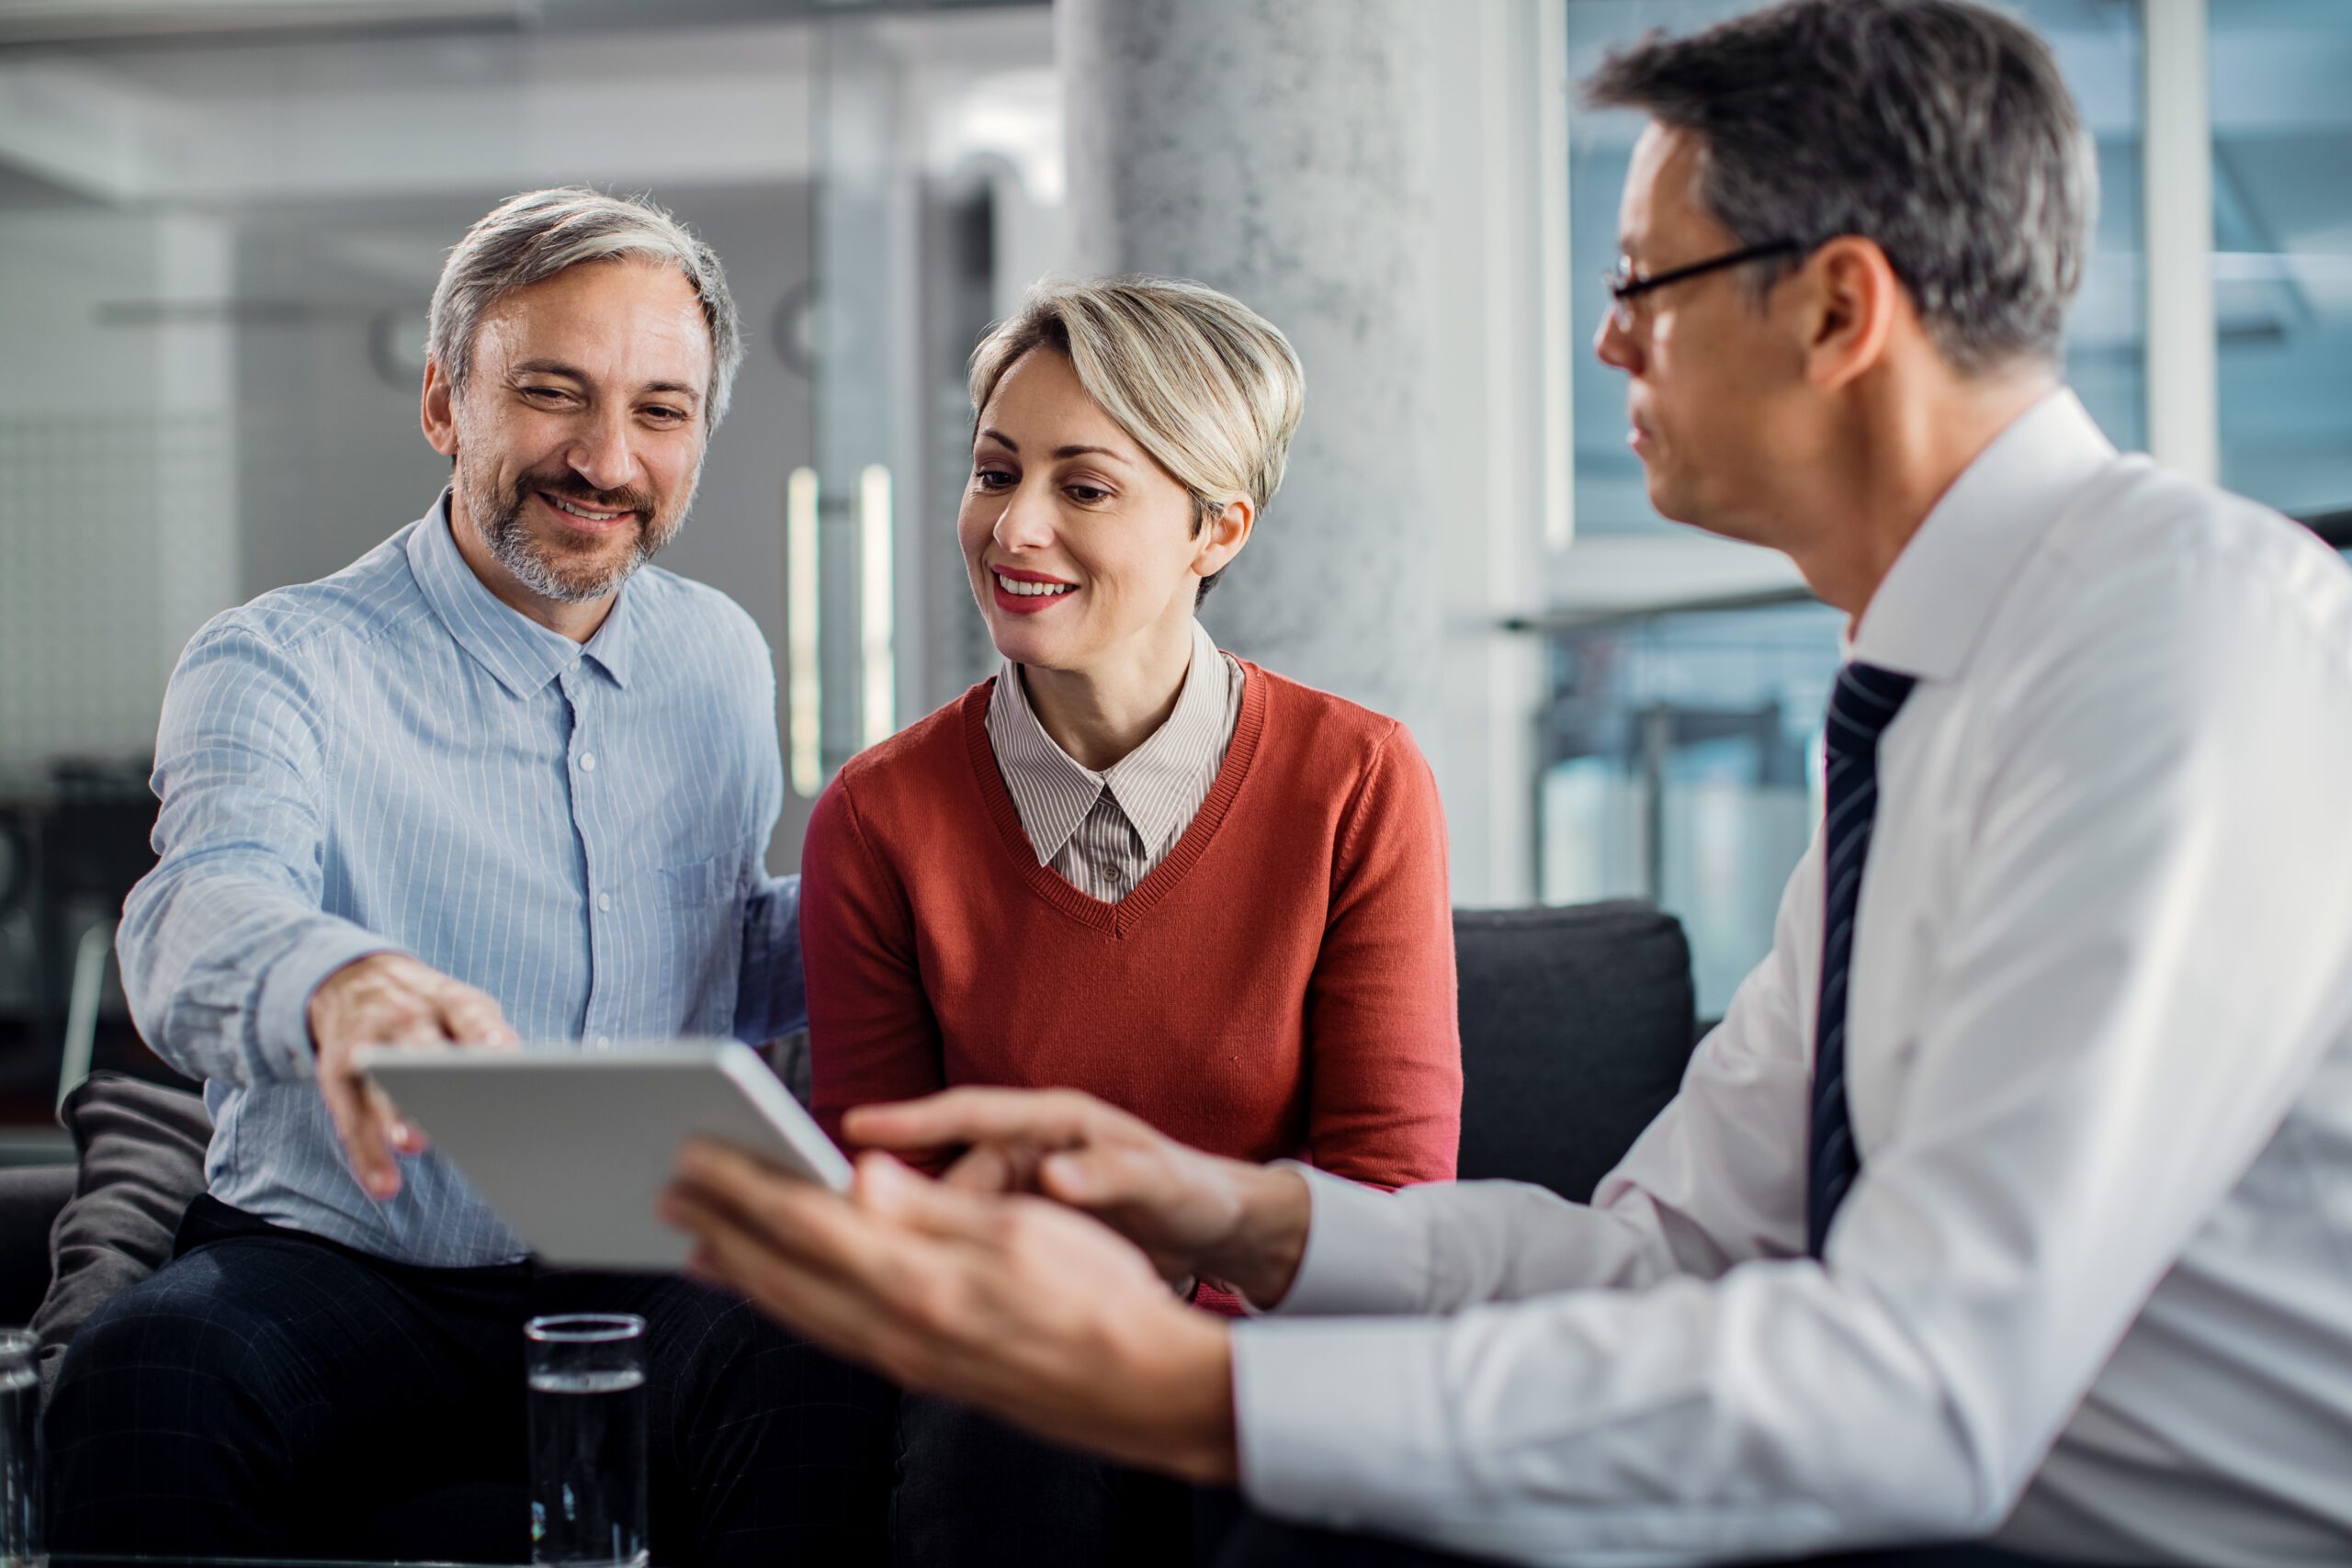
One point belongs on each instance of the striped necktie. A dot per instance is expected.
(1863, 703)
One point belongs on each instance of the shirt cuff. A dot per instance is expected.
(282, 1016)
(1367, 1251)
(1339, 1424)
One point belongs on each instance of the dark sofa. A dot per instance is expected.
(1575, 1027)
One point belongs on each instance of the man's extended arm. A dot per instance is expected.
(223, 942)
(1716, 1180)
(232, 968)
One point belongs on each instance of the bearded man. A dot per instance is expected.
(496, 779)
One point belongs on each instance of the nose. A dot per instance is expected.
(1616, 348)
(1026, 523)
(599, 452)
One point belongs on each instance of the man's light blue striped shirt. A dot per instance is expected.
(392, 759)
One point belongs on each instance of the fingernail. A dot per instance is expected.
(1070, 1175)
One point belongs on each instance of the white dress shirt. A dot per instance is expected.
(2092, 1289)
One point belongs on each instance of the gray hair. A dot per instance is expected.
(529, 237)
(1208, 387)
(1940, 130)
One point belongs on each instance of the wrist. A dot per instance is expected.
(1188, 1382)
(285, 1031)
(1260, 1255)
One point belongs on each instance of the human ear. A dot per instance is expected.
(1852, 299)
(437, 413)
(1222, 536)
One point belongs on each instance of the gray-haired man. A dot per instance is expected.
(2014, 1194)
(493, 778)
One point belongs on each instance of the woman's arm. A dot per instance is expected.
(872, 1036)
(1384, 1040)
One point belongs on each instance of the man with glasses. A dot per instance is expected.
(2013, 1197)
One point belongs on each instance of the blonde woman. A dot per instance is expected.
(1131, 863)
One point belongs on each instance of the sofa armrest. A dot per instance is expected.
(30, 1197)
(1576, 1028)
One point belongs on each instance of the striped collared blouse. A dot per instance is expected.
(1103, 833)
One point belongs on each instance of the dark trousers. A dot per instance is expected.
(272, 1394)
(1235, 1537)
(974, 1493)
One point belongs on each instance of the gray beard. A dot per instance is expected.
(543, 570)
(512, 545)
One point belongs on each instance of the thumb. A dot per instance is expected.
(891, 1191)
(983, 1169)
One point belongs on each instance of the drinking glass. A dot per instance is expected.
(588, 1405)
(20, 1521)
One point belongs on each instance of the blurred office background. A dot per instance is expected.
(220, 219)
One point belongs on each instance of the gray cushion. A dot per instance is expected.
(1577, 1025)
(142, 1157)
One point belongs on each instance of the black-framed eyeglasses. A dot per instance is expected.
(1624, 287)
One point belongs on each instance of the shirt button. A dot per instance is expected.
(604, 901)
(587, 762)
(604, 1043)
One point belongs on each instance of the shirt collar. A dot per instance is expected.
(1053, 792)
(524, 655)
(1927, 615)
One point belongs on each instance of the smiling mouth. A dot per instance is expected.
(1021, 590)
(586, 513)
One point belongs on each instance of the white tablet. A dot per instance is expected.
(572, 1148)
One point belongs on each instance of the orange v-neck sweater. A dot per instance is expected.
(1281, 986)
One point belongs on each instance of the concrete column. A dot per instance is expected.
(1279, 149)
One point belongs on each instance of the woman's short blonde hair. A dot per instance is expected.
(1208, 387)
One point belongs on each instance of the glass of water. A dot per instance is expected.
(588, 1406)
(20, 1521)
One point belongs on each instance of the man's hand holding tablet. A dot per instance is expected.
(572, 1148)
(389, 999)
(1008, 1302)
(1022, 1282)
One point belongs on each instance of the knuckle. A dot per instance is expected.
(1014, 1225)
(934, 1306)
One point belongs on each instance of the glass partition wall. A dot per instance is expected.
(938, 173)
(219, 229)
(1679, 743)
(2283, 250)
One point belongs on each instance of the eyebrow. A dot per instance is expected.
(558, 367)
(1001, 439)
